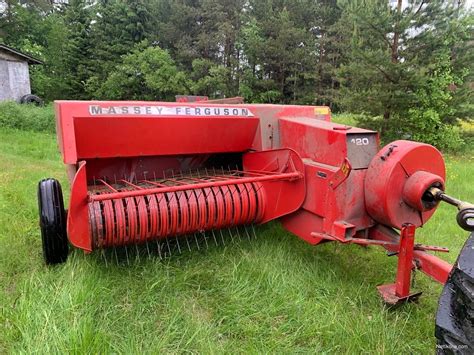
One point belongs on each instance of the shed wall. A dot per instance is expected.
(14, 80)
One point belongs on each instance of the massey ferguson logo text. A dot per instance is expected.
(169, 111)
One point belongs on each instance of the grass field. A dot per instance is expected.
(272, 294)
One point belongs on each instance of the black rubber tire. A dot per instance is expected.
(31, 99)
(52, 218)
(455, 316)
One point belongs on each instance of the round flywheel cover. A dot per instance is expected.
(387, 176)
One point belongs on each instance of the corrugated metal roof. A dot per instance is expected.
(25, 57)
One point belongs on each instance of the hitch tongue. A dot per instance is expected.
(465, 216)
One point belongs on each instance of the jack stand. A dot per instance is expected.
(399, 292)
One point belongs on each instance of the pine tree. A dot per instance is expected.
(77, 52)
(117, 27)
(400, 58)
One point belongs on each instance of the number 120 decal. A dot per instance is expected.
(360, 141)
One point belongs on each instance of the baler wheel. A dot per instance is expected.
(455, 317)
(52, 221)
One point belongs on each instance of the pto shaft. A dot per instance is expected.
(465, 216)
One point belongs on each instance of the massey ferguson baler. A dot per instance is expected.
(142, 172)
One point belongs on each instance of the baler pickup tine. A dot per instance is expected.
(116, 256)
(222, 237)
(214, 236)
(230, 233)
(204, 236)
(253, 231)
(168, 246)
(126, 255)
(187, 243)
(138, 253)
(177, 243)
(238, 233)
(196, 239)
(148, 249)
(104, 256)
(158, 245)
(247, 232)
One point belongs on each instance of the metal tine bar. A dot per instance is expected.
(224, 177)
(201, 190)
(221, 177)
(261, 172)
(106, 184)
(131, 184)
(171, 180)
(201, 180)
(112, 195)
(154, 183)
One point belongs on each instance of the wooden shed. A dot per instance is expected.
(14, 73)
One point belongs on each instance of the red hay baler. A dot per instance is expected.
(142, 172)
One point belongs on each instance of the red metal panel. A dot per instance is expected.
(281, 197)
(302, 224)
(78, 214)
(320, 141)
(112, 137)
(115, 129)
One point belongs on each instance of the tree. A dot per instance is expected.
(77, 51)
(118, 26)
(147, 73)
(400, 55)
(291, 50)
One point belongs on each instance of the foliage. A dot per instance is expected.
(148, 73)
(370, 57)
(209, 79)
(408, 68)
(27, 117)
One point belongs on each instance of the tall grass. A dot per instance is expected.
(27, 117)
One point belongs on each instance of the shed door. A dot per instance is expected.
(19, 79)
(5, 92)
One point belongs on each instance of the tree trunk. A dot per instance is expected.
(396, 34)
(394, 54)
